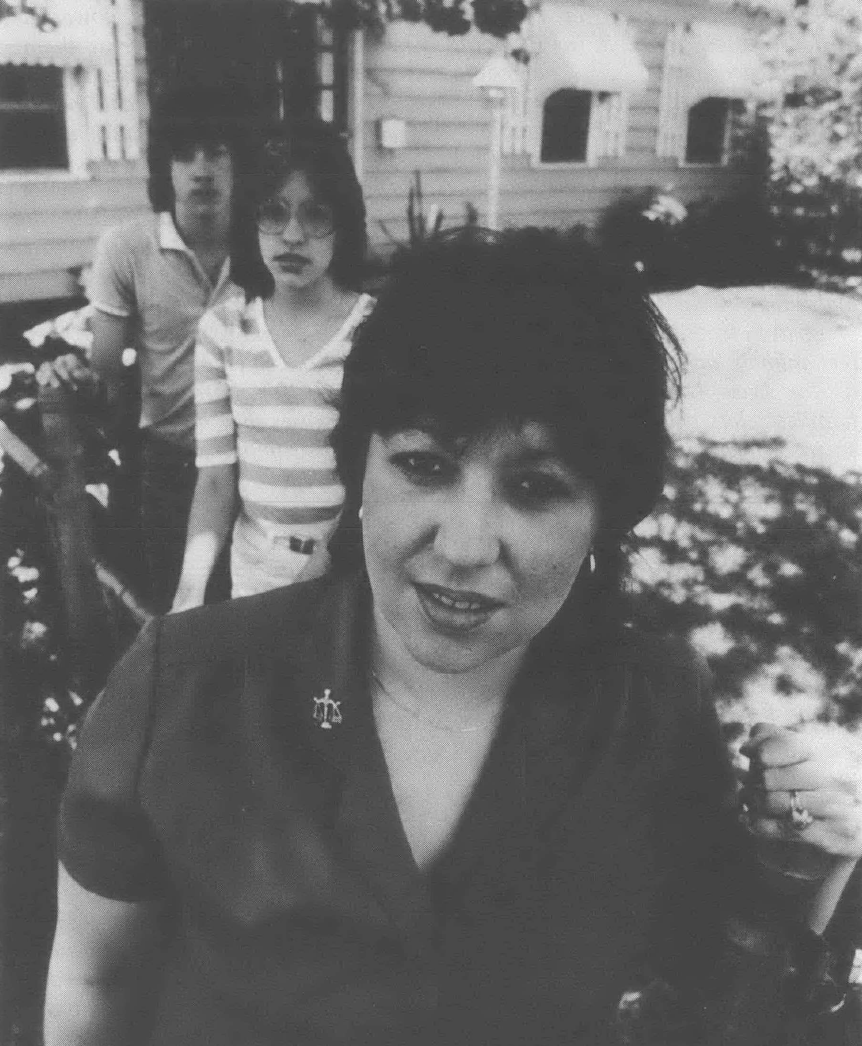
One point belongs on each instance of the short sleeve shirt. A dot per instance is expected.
(273, 419)
(146, 273)
(214, 772)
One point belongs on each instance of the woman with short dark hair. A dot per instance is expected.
(445, 795)
(266, 368)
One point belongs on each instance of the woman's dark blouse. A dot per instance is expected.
(595, 839)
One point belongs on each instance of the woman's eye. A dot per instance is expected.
(317, 211)
(421, 466)
(536, 489)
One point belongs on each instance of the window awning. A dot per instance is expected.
(583, 48)
(80, 37)
(722, 62)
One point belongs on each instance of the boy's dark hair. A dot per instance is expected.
(480, 329)
(189, 116)
(317, 150)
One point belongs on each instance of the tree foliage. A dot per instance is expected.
(453, 17)
(814, 56)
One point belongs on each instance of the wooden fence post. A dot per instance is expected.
(90, 631)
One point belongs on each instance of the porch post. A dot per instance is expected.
(358, 99)
(495, 159)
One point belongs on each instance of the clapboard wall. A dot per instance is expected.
(49, 224)
(423, 78)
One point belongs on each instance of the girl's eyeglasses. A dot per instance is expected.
(315, 219)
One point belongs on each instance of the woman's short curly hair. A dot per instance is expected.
(480, 329)
(317, 150)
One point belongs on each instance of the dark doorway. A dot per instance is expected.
(285, 58)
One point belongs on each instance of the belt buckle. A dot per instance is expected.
(304, 546)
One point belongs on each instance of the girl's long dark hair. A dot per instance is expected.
(314, 148)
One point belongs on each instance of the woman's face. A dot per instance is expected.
(472, 545)
(296, 235)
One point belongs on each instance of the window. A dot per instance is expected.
(573, 107)
(708, 68)
(331, 78)
(706, 140)
(566, 126)
(32, 118)
(67, 93)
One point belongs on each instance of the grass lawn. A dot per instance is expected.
(772, 362)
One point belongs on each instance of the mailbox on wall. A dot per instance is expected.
(391, 133)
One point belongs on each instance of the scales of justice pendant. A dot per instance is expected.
(326, 711)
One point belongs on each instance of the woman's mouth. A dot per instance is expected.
(456, 610)
(290, 262)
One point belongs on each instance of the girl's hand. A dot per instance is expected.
(804, 788)
(186, 598)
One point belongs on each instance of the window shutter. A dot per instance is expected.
(616, 119)
(672, 107)
(608, 121)
(610, 118)
(516, 115)
(616, 111)
(115, 102)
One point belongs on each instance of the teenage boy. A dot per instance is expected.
(152, 281)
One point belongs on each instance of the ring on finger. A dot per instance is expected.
(797, 815)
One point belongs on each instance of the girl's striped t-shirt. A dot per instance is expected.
(273, 420)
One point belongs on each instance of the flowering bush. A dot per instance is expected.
(644, 229)
(665, 209)
(814, 54)
(711, 241)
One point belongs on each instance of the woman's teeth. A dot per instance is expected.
(452, 603)
(455, 604)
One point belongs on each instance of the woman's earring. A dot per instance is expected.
(591, 561)
(359, 513)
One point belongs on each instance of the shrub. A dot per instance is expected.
(721, 242)
(644, 229)
(734, 241)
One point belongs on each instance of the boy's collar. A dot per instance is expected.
(169, 237)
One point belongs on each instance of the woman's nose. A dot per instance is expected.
(293, 232)
(467, 533)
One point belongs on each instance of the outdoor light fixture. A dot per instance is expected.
(495, 80)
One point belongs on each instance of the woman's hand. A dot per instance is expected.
(814, 772)
(803, 803)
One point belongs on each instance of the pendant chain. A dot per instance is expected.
(427, 720)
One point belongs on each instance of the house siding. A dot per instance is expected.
(412, 73)
(424, 78)
(49, 226)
